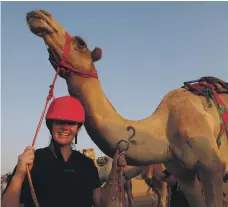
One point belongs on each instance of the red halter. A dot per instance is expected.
(65, 67)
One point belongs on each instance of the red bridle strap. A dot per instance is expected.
(64, 66)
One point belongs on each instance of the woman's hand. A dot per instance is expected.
(24, 159)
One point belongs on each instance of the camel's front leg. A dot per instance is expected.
(210, 169)
(147, 172)
(160, 188)
(212, 182)
(158, 177)
(200, 152)
(154, 173)
(164, 194)
(211, 174)
(148, 191)
(192, 191)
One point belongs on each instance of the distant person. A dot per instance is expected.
(62, 177)
(3, 183)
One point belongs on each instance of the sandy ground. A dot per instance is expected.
(139, 190)
(143, 201)
(139, 187)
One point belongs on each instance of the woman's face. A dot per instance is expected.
(64, 132)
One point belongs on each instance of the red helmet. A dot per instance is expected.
(66, 108)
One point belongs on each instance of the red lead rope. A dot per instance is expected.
(49, 97)
(118, 179)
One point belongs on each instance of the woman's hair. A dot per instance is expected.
(49, 125)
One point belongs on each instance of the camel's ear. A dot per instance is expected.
(96, 54)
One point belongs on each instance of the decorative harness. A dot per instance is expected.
(117, 193)
(208, 90)
(64, 67)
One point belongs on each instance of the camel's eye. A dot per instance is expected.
(80, 42)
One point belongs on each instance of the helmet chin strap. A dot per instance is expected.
(76, 139)
(64, 67)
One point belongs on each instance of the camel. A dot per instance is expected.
(181, 133)
(152, 175)
(104, 170)
(157, 181)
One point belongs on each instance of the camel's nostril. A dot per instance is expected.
(28, 15)
(45, 13)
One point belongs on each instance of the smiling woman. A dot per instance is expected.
(60, 175)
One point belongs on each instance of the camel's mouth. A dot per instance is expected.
(40, 22)
(54, 57)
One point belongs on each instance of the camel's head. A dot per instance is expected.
(79, 57)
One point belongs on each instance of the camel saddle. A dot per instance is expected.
(210, 87)
(197, 87)
(117, 192)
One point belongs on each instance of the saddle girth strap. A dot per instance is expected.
(208, 91)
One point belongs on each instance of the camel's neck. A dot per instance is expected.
(106, 127)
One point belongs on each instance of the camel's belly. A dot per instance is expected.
(178, 170)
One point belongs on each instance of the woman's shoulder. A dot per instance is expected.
(42, 152)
